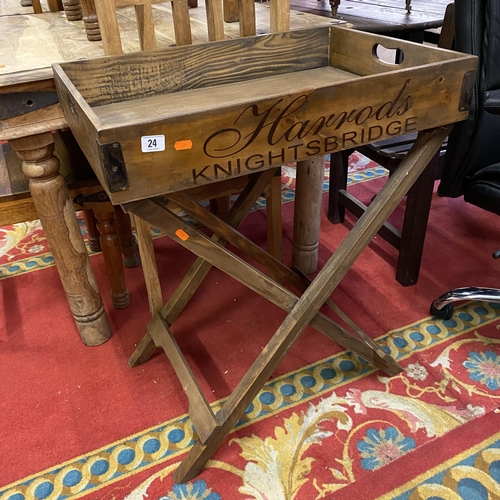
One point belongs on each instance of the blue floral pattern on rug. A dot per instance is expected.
(192, 491)
(484, 367)
(378, 448)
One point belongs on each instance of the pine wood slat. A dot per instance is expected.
(200, 413)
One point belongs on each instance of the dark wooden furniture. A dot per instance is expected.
(388, 17)
(409, 240)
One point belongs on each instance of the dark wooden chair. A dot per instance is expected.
(409, 240)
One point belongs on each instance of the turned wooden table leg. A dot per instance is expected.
(90, 20)
(93, 236)
(110, 245)
(307, 215)
(73, 10)
(57, 215)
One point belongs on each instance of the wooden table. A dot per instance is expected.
(29, 44)
(387, 17)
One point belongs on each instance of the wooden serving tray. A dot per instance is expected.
(157, 122)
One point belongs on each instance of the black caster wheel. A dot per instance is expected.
(445, 313)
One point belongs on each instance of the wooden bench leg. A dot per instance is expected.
(112, 255)
(128, 244)
(93, 237)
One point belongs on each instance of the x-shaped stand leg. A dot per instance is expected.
(212, 429)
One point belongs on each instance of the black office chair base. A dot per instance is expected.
(442, 307)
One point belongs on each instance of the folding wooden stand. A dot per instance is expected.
(212, 429)
(242, 108)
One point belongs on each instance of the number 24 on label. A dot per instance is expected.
(150, 143)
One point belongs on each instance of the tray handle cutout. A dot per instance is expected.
(385, 55)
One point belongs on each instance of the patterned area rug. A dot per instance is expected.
(327, 425)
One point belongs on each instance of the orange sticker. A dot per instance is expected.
(180, 145)
(2, 65)
(182, 234)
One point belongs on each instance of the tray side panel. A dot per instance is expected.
(122, 78)
(206, 147)
(353, 51)
(81, 120)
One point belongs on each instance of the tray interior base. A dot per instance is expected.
(192, 101)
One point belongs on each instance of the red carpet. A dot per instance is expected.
(77, 422)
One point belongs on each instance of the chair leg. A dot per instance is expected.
(231, 11)
(128, 244)
(37, 7)
(442, 307)
(339, 164)
(93, 236)
(223, 205)
(418, 206)
(112, 256)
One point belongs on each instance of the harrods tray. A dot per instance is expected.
(168, 120)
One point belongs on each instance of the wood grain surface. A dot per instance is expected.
(58, 40)
(307, 108)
